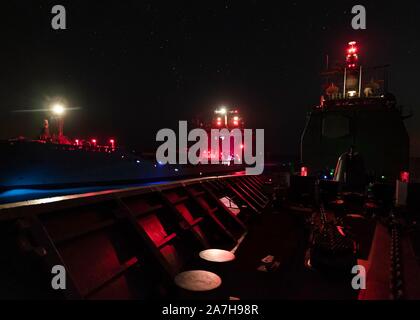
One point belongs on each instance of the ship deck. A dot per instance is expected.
(283, 235)
(131, 243)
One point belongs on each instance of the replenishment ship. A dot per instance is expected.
(55, 160)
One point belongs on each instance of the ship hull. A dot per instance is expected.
(39, 165)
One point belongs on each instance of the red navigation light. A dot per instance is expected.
(405, 177)
(76, 142)
(94, 142)
(352, 57)
(236, 121)
(112, 143)
(304, 171)
(352, 47)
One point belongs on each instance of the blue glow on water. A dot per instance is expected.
(17, 195)
(16, 192)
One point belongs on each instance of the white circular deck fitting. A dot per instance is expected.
(198, 280)
(217, 255)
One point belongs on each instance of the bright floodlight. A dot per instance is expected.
(58, 109)
(222, 110)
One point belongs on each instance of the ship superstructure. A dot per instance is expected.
(357, 112)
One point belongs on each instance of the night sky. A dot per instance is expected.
(134, 67)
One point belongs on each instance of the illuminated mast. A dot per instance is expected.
(352, 72)
(58, 111)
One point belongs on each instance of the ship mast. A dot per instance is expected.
(58, 110)
(352, 85)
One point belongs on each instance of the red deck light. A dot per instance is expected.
(112, 143)
(405, 176)
(94, 142)
(76, 142)
(236, 121)
(304, 171)
(352, 57)
(352, 47)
